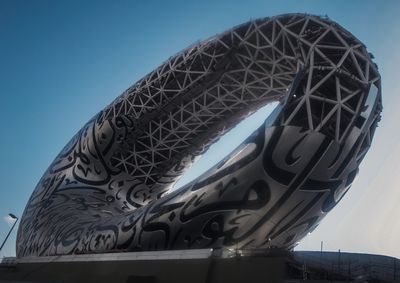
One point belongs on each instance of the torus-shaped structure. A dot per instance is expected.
(109, 188)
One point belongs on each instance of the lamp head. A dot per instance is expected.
(12, 216)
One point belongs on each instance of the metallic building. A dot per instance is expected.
(108, 189)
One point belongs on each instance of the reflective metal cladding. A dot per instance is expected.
(108, 189)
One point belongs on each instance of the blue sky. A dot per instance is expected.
(63, 61)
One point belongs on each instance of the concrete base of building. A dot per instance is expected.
(200, 266)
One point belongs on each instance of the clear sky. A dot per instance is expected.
(63, 61)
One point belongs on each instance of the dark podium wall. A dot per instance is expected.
(208, 270)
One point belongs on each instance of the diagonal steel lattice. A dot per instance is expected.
(109, 188)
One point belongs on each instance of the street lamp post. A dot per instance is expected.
(15, 222)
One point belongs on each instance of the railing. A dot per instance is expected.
(353, 266)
